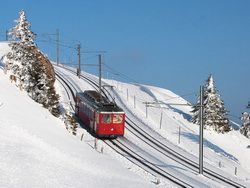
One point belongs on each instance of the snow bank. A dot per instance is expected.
(37, 151)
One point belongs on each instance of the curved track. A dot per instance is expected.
(127, 152)
(148, 139)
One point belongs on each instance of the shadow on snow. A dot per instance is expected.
(216, 149)
(150, 93)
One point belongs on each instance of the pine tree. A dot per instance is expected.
(53, 102)
(214, 114)
(31, 66)
(46, 83)
(245, 129)
(196, 112)
(40, 81)
(21, 32)
(21, 58)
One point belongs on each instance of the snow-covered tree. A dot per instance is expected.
(245, 129)
(53, 102)
(46, 93)
(22, 32)
(196, 112)
(214, 114)
(21, 57)
(31, 66)
(40, 82)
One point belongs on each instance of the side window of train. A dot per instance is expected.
(117, 118)
(106, 118)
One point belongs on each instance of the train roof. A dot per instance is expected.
(99, 103)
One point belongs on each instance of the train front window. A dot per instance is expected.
(106, 118)
(117, 118)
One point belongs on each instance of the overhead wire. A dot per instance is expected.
(111, 69)
(54, 42)
(118, 73)
(48, 39)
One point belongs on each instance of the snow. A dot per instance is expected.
(37, 151)
(230, 149)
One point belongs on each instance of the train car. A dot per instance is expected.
(103, 118)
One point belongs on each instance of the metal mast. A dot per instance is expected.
(201, 133)
(100, 76)
(79, 59)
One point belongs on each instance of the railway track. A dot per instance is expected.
(127, 152)
(161, 148)
(67, 88)
(169, 152)
(147, 165)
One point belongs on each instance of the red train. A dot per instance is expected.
(103, 118)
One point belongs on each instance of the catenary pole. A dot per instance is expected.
(201, 133)
(79, 59)
(100, 76)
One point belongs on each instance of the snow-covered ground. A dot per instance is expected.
(219, 153)
(230, 150)
(227, 151)
(37, 151)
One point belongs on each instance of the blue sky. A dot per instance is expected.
(174, 44)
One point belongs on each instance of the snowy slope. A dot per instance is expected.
(37, 151)
(227, 151)
(218, 148)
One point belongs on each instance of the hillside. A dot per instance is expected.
(37, 151)
(35, 146)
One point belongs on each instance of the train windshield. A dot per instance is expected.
(106, 118)
(117, 118)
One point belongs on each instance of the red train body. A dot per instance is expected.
(102, 117)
